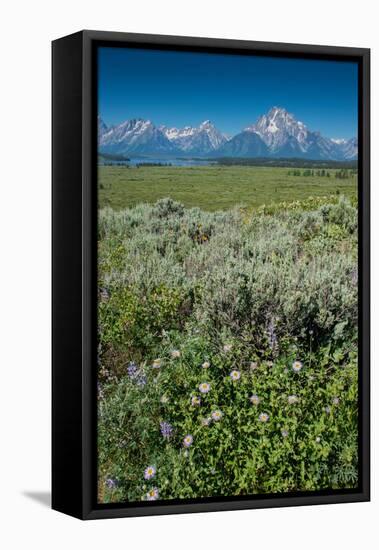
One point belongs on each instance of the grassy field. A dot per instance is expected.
(214, 188)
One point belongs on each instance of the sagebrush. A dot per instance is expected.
(227, 357)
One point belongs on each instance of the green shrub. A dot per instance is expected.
(250, 292)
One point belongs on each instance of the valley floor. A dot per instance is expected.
(215, 187)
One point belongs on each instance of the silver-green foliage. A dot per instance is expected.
(278, 287)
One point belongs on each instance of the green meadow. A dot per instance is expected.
(213, 188)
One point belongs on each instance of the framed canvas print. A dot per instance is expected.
(210, 274)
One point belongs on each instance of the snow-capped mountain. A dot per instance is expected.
(278, 129)
(275, 134)
(102, 128)
(201, 140)
(285, 137)
(349, 147)
(135, 136)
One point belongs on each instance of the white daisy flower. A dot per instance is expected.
(206, 365)
(205, 421)
(254, 399)
(149, 472)
(152, 494)
(227, 347)
(235, 375)
(217, 415)
(188, 440)
(297, 366)
(204, 387)
(264, 417)
(195, 401)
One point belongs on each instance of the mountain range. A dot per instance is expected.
(275, 134)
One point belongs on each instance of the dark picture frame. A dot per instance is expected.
(74, 294)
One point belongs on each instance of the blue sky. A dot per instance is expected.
(185, 88)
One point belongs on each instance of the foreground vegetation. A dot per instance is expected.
(227, 340)
(216, 187)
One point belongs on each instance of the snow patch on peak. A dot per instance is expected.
(339, 141)
(202, 139)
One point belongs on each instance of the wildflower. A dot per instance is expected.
(188, 440)
(164, 399)
(318, 439)
(284, 433)
(235, 375)
(111, 483)
(297, 366)
(195, 401)
(152, 494)
(157, 363)
(336, 401)
(141, 380)
(263, 417)
(132, 370)
(149, 472)
(206, 365)
(253, 365)
(327, 410)
(292, 399)
(166, 429)
(216, 415)
(206, 421)
(175, 353)
(136, 374)
(254, 399)
(204, 387)
(227, 347)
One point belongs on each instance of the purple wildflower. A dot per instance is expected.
(149, 472)
(166, 429)
(136, 374)
(141, 380)
(132, 370)
(111, 483)
(188, 440)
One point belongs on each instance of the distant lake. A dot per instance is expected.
(165, 161)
